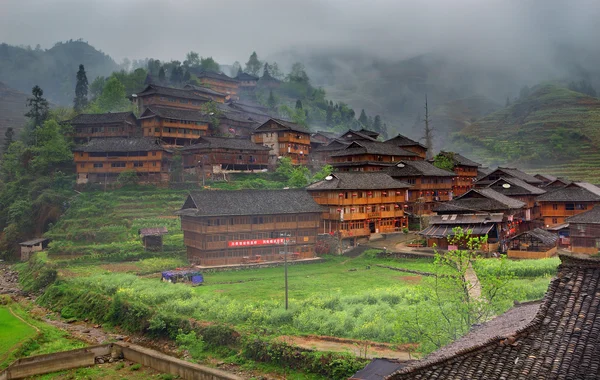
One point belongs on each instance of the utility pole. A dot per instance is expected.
(428, 132)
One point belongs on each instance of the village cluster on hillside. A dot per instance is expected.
(376, 186)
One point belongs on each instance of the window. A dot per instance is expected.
(117, 164)
(80, 154)
(410, 181)
(554, 220)
(97, 165)
(581, 206)
(154, 153)
(570, 206)
(138, 164)
(82, 165)
(555, 207)
(154, 164)
(156, 130)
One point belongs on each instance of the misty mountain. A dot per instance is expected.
(13, 106)
(53, 69)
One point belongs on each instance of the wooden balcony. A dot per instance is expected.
(355, 233)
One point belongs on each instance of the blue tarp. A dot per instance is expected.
(174, 276)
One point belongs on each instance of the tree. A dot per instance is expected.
(192, 59)
(275, 71)
(298, 104)
(363, 119)
(187, 76)
(52, 150)
(9, 136)
(253, 65)
(162, 77)
(236, 69)
(377, 127)
(209, 64)
(428, 132)
(298, 74)
(272, 102)
(81, 90)
(266, 73)
(444, 160)
(96, 88)
(322, 173)
(176, 74)
(113, 97)
(38, 107)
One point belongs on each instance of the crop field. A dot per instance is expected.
(12, 331)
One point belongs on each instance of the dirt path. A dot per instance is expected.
(359, 348)
(475, 290)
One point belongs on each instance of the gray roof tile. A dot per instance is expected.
(359, 181)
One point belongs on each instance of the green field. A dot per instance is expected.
(12, 331)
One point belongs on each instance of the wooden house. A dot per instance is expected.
(286, 139)
(358, 204)
(168, 97)
(268, 81)
(31, 246)
(215, 96)
(365, 155)
(152, 238)
(557, 183)
(584, 232)
(223, 155)
(430, 185)
(102, 160)
(548, 339)
(246, 81)
(174, 126)
(533, 244)
(237, 227)
(522, 191)
(409, 144)
(320, 154)
(218, 82)
(117, 124)
(441, 229)
(501, 172)
(465, 170)
(558, 204)
(362, 135)
(545, 178)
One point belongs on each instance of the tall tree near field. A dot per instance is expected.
(38, 107)
(253, 65)
(363, 119)
(9, 137)
(162, 77)
(428, 132)
(81, 90)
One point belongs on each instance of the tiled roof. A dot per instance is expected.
(569, 194)
(588, 217)
(466, 218)
(482, 172)
(101, 118)
(517, 187)
(170, 91)
(459, 159)
(560, 342)
(559, 182)
(249, 202)
(402, 140)
(349, 133)
(347, 164)
(548, 238)
(175, 113)
(489, 200)
(589, 187)
(367, 132)
(513, 172)
(418, 169)
(359, 181)
(212, 74)
(242, 76)
(153, 231)
(334, 145)
(287, 125)
(378, 369)
(546, 177)
(225, 143)
(373, 147)
(204, 90)
(120, 144)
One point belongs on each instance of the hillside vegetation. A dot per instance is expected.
(13, 106)
(553, 130)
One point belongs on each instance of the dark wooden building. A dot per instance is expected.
(365, 155)
(235, 227)
(152, 238)
(174, 126)
(222, 155)
(358, 204)
(168, 97)
(409, 144)
(501, 172)
(117, 124)
(320, 154)
(102, 160)
(362, 135)
(545, 178)
(430, 185)
(465, 170)
(441, 229)
(215, 96)
(246, 82)
(522, 191)
(584, 231)
(286, 139)
(559, 203)
(533, 244)
(217, 81)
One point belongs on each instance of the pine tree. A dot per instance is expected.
(38, 107)
(81, 91)
(253, 65)
(187, 76)
(272, 102)
(161, 75)
(428, 136)
(266, 71)
(363, 119)
(298, 104)
(377, 127)
(8, 138)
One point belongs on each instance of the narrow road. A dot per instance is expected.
(475, 289)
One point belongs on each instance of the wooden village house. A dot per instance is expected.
(321, 154)
(409, 144)
(584, 231)
(359, 204)
(361, 135)
(441, 229)
(430, 185)
(102, 160)
(117, 124)
(520, 190)
(533, 244)
(173, 126)
(220, 155)
(558, 204)
(501, 172)
(545, 178)
(246, 82)
(285, 139)
(237, 227)
(213, 95)
(168, 97)
(218, 82)
(368, 156)
(152, 238)
(465, 170)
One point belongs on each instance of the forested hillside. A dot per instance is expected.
(13, 106)
(552, 130)
(54, 69)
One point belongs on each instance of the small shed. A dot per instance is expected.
(534, 244)
(152, 238)
(33, 245)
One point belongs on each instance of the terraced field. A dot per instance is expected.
(554, 131)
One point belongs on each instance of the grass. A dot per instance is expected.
(112, 371)
(12, 331)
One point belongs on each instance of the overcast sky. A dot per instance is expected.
(229, 30)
